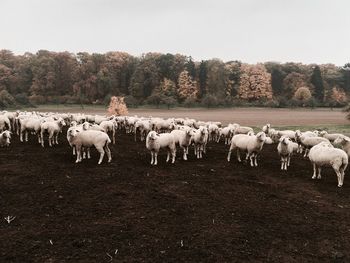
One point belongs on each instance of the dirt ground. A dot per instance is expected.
(205, 210)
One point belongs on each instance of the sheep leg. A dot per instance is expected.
(155, 158)
(319, 173)
(173, 152)
(288, 160)
(50, 139)
(73, 150)
(113, 133)
(102, 153)
(152, 154)
(78, 149)
(185, 153)
(88, 152)
(108, 151)
(314, 175)
(256, 159)
(251, 157)
(26, 136)
(282, 163)
(168, 156)
(21, 136)
(57, 138)
(239, 155)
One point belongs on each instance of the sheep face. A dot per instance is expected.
(284, 140)
(7, 136)
(341, 140)
(261, 136)
(72, 132)
(153, 135)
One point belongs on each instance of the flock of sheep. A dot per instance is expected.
(85, 131)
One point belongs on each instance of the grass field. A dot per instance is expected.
(300, 118)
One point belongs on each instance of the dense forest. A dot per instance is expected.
(166, 79)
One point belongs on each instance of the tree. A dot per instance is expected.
(302, 94)
(187, 87)
(317, 82)
(255, 83)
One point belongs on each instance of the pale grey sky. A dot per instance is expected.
(308, 31)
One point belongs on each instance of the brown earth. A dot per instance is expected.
(205, 210)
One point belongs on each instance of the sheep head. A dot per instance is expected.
(261, 136)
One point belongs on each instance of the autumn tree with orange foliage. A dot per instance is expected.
(255, 83)
(117, 106)
(187, 88)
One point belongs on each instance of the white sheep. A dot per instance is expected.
(252, 144)
(30, 124)
(238, 129)
(285, 149)
(324, 154)
(53, 128)
(183, 139)
(88, 138)
(227, 133)
(109, 127)
(144, 126)
(5, 138)
(5, 123)
(308, 142)
(213, 130)
(330, 136)
(200, 139)
(156, 141)
(344, 143)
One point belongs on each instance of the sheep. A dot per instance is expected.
(53, 128)
(32, 124)
(109, 126)
(12, 116)
(240, 129)
(227, 133)
(87, 138)
(308, 142)
(156, 141)
(266, 128)
(330, 136)
(200, 139)
(324, 154)
(159, 125)
(344, 143)
(213, 132)
(183, 139)
(5, 138)
(289, 133)
(252, 144)
(285, 149)
(5, 123)
(144, 126)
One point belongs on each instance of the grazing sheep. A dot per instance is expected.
(308, 142)
(183, 139)
(324, 154)
(5, 138)
(285, 149)
(155, 141)
(53, 128)
(330, 136)
(252, 144)
(88, 138)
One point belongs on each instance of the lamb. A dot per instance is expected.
(155, 141)
(324, 154)
(5, 138)
(81, 138)
(285, 149)
(53, 128)
(330, 136)
(252, 144)
(183, 139)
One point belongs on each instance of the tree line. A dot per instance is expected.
(166, 79)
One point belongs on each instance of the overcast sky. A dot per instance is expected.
(308, 31)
